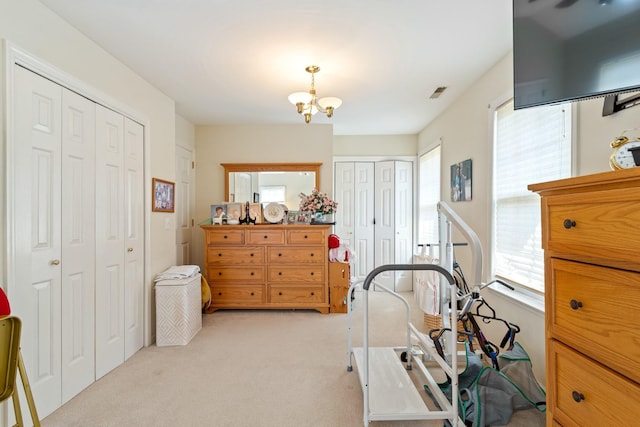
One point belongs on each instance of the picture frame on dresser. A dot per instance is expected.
(163, 195)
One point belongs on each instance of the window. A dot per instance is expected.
(272, 193)
(531, 145)
(428, 196)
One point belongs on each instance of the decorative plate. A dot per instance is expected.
(273, 212)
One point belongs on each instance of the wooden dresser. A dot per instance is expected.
(591, 238)
(267, 266)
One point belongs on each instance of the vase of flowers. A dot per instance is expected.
(319, 204)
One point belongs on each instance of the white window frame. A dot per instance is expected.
(521, 292)
(433, 251)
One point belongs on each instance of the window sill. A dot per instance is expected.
(529, 300)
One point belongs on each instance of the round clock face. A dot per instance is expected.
(622, 157)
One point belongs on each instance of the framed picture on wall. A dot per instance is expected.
(461, 181)
(163, 195)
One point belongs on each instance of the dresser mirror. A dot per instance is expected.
(270, 182)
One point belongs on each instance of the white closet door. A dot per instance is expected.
(364, 223)
(185, 197)
(403, 223)
(385, 220)
(110, 260)
(78, 244)
(134, 236)
(35, 295)
(344, 187)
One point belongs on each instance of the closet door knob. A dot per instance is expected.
(55, 262)
(129, 249)
(568, 223)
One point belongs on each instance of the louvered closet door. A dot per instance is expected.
(110, 240)
(403, 223)
(35, 295)
(134, 237)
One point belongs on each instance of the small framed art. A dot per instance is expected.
(163, 195)
(461, 181)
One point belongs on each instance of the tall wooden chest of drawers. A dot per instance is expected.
(590, 235)
(267, 266)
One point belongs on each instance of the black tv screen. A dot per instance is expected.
(568, 50)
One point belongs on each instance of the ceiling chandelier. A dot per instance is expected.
(308, 104)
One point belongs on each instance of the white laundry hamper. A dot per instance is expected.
(178, 310)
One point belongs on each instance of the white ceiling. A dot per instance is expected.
(236, 61)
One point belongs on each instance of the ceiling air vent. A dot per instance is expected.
(436, 93)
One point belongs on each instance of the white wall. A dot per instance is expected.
(35, 29)
(254, 144)
(465, 132)
(375, 145)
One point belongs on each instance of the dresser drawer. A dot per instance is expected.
(296, 255)
(225, 236)
(247, 273)
(231, 255)
(585, 393)
(595, 310)
(308, 274)
(237, 295)
(265, 236)
(296, 294)
(598, 224)
(307, 236)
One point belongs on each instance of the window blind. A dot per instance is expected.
(531, 145)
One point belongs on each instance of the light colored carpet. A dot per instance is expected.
(248, 368)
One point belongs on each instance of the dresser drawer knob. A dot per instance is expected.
(219, 254)
(569, 223)
(279, 293)
(252, 273)
(225, 236)
(311, 273)
(279, 254)
(265, 237)
(313, 293)
(305, 236)
(575, 304)
(279, 273)
(251, 254)
(219, 293)
(578, 397)
(311, 254)
(219, 273)
(252, 294)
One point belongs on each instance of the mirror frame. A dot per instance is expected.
(268, 167)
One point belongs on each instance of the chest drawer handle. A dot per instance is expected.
(575, 304)
(568, 223)
(252, 293)
(219, 254)
(578, 397)
(225, 236)
(279, 254)
(219, 273)
(311, 254)
(305, 236)
(266, 237)
(279, 273)
(312, 273)
(252, 273)
(251, 254)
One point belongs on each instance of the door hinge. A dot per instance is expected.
(193, 222)
(193, 164)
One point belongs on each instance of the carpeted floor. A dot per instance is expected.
(248, 368)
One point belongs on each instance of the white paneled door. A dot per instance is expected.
(375, 217)
(133, 237)
(76, 236)
(78, 244)
(354, 192)
(35, 295)
(54, 238)
(185, 193)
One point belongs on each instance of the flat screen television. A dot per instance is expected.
(568, 50)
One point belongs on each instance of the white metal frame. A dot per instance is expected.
(388, 392)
